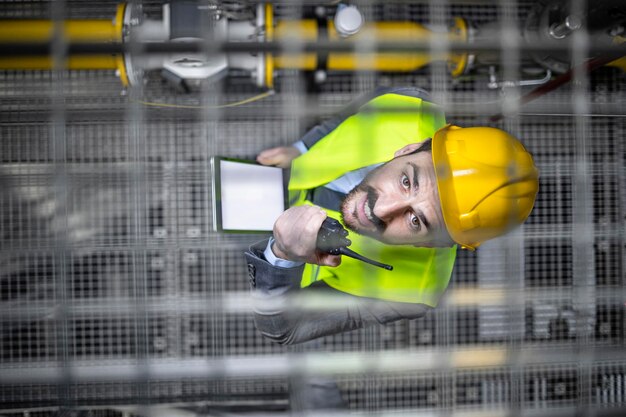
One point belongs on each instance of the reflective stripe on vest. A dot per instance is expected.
(420, 275)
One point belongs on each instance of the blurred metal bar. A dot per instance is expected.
(583, 272)
(326, 363)
(242, 303)
(172, 408)
(58, 136)
(25, 49)
(311, 108)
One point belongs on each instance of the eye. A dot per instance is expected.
(405, 181)
(415, 222)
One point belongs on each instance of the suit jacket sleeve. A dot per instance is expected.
(274, 287)
(324, 128)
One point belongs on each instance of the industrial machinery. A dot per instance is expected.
(196, 41)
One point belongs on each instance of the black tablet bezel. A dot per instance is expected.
(217, 201)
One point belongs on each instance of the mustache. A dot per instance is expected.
(372, 197)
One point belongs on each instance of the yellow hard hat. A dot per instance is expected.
(487, 182)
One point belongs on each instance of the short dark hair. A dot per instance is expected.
(427, 146)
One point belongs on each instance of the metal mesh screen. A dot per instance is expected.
(118, 298)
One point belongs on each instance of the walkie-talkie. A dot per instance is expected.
(332, 238)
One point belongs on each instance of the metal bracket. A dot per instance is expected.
(494, 83)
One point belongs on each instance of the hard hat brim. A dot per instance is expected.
(447, 196)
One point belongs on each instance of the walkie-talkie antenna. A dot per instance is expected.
(353, 254)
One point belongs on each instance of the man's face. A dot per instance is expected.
(398, 203)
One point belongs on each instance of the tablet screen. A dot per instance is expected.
(248, 197)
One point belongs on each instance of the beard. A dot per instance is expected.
(348, 206)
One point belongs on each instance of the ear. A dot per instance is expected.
(407, 149)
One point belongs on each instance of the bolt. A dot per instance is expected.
(320, 76)
(570, 24)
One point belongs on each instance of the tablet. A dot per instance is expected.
(247, 197)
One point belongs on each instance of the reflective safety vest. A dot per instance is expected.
(372, 136)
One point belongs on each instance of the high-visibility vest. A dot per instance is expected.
(371, 136)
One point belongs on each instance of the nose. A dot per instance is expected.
(388, 207)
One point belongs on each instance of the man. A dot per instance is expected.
(409, 188)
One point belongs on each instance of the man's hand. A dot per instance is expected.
(280, 156)
(295, 234)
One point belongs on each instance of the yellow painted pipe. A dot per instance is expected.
(74, 31)
(83, 62)
(269, 35)
(307, 31)
(15, 31)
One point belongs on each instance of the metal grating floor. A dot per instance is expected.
(116, 294)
